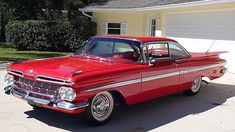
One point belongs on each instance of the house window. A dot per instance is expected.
(152, 26)
(114, 28)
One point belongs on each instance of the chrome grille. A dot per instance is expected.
(38, 87)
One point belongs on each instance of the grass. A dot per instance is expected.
(13, 55)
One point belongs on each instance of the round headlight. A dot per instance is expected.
(67, 93)
(9, 79)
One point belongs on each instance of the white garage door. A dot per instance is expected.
(197, 31)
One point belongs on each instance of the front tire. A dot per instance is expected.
(100, 109)
(197, 83)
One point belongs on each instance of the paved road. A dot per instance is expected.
(213, 110)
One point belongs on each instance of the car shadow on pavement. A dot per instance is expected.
(145, 116)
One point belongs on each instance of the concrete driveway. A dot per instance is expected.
(212, 110)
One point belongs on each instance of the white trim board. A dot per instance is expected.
(161, 7)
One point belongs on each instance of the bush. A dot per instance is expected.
(49, 36)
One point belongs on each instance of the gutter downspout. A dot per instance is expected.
(85, 14)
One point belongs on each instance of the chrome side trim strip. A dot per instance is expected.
(114, 85)
(201, 68)
(160, 76)
(154, 77)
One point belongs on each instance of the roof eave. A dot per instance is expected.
(105, 10)
(162, 7)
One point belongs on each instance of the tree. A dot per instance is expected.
(24, 9)
(3, 20)
(49, 10)
(72, 8)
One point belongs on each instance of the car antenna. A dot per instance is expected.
(207, 52)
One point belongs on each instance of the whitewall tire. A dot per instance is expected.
(196, 85)
(100, 109)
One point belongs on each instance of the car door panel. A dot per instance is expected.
(160, 79)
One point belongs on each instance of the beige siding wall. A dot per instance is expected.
(138, 22)
(135, 21)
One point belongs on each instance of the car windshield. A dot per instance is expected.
(108, 49)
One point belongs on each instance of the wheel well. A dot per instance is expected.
(118, 97)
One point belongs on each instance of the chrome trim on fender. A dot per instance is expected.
(77, 73)
(201, 68)
(115, 85)
(154, 77)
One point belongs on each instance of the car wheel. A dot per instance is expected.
(100, 109)
(197, 83)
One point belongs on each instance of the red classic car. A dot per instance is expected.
(110, 70)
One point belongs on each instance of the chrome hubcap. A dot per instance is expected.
(196, 84)
(102, 106)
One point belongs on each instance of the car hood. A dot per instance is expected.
(61, 67)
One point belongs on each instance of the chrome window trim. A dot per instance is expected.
(164, 42)
(181, 47)
(154, 77)
(154, 42)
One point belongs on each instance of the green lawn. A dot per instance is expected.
(12, 55)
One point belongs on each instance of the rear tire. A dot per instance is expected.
(197, 83)
(100, 109)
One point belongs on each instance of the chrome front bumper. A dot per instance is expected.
(51, 102)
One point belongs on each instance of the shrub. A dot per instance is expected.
(49, 36)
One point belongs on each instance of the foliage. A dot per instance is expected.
(49, 35)
(47, 10)
(44, 9)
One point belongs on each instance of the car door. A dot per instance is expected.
(161, 76)
(185, 63)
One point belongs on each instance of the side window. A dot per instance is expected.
(122, 47)
(101, 48)
(126, 51)
(158, 51)
(176, 52)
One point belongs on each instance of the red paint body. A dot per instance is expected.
(101, 73)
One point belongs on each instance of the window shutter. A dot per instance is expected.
(123, 28)
(104, 28)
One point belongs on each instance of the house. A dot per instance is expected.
(196, 24)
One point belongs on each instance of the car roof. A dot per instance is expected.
(143, 39)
